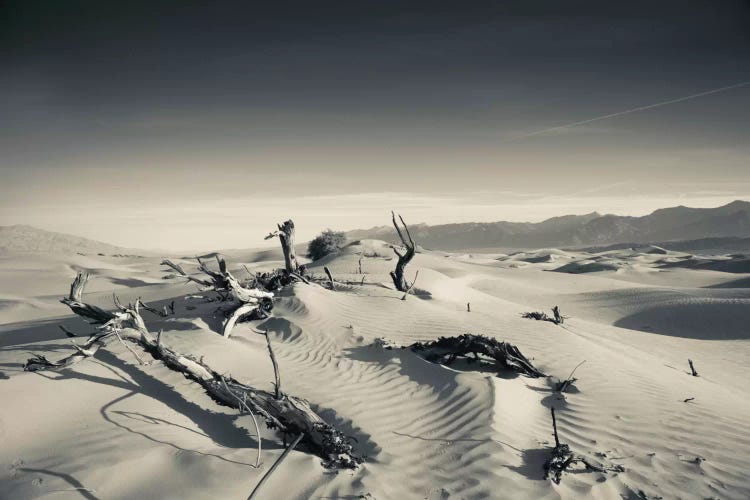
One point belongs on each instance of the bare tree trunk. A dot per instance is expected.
(403, 258)
(286, 237)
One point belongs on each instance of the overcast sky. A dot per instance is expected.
(196, 125)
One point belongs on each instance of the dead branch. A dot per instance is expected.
(276, 374)
(93, 314)
(252, 302)
(242, 407)
(274, 466)
(408, 289)
(562, 459)
(178, 269)
(330, 278)
(506, 356)
(563, 386)
(404, 258)
(692, 368)
(162, 314)
(286, 413)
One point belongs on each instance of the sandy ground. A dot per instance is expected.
(110, 428)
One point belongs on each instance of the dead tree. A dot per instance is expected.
(286, 413)
(399, 281)
(505, 356)
(286, 237)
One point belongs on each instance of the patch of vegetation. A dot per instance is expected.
(326, 243)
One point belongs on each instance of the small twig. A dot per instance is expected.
(468, 307)
(152, 310)
(692, 368)
(70, 333)
(554, 427)
(140, 360)
(276, 374)
(330, 278)
(416, 275)
(569, 380)
(243, 405)
(688, 400)
(276, 464)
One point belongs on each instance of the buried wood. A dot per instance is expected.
(287, 414)
(563, 459)
(397, 275)
(506, 356)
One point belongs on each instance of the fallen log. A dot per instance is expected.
(287, 414)
(506, 356)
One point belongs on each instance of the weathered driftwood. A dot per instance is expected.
(288, 414)
(286, 237)
(562, 459)
(397, 275)
(253, 302)
(506, 356)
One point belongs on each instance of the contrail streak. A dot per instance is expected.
(628, 111)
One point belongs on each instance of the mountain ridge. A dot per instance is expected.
(24, 238)
(664, 224)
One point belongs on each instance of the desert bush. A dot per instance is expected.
(326, 243)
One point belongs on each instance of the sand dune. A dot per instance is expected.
(110, 428)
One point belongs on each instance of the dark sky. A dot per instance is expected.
(147, 105)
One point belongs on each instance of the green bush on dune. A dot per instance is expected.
(326, 243)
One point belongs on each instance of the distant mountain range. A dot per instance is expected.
(710, 225)
(21, 238)
(666, 224)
